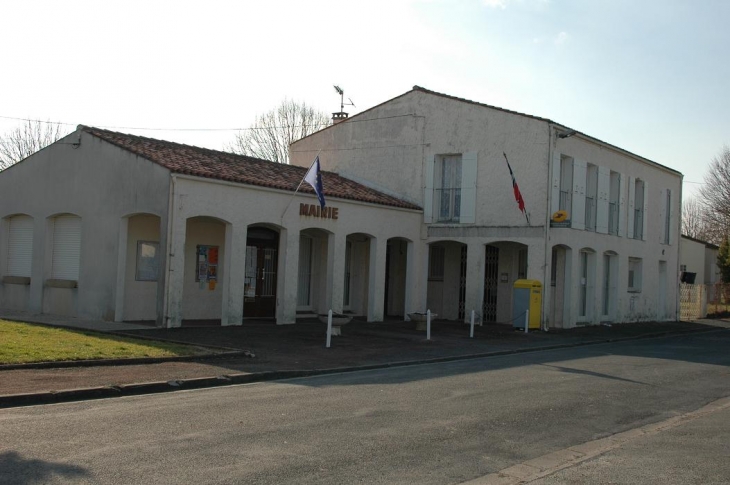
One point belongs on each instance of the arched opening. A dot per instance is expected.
(446, 292)
(16, 261)
(204, 251)
(587, 286)
(504, 263)
(560, 284)
(261, 273)
(312, 274)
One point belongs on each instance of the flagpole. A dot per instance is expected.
(299, 186)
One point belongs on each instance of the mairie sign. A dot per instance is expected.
(314, 210)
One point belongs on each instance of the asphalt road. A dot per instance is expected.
(430, 424)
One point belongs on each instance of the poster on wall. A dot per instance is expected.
(207, 266)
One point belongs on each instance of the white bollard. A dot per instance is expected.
(428, 324)
(527, 320)
(471, 331)
(329, 328)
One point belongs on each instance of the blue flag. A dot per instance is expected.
(314, 178)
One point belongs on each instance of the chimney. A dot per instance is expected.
(338, 117)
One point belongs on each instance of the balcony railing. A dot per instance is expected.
(590, 220)
(613, 218)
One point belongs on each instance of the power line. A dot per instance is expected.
(317, 126)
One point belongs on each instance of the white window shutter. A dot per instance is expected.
(646, 213)
(555, 188)
(579, 195)
(467, 210)
(632, 196)
(621, 204)
(604, 186)
(662, 213)
(428, 190)
(66, 248)
(20, 246)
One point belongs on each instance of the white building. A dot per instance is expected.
(699, 258)
(420, 214)
(105, 225)
(614, 259)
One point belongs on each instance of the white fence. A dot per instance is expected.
(692, 301)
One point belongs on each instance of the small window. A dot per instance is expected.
(682, 268)
(634, 284)
(448, 188)
(148, 261)
(436, 255)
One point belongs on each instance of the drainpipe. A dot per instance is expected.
(677, 309)
(548, 206)
(170, 222)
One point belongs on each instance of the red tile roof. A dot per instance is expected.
(203, 162)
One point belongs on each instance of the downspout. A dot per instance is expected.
(677, 303)
(547, 225)
(170, 222)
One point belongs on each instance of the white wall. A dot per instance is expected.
(99, 183)
(631, 306)
(692, 255)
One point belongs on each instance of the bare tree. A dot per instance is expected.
(26, 139)
(694, 222)
(715, 195)
(272, 133)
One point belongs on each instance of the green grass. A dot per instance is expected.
(23, 343)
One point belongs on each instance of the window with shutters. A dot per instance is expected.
(66, 250)
(614, 203)
(566, 184)
(667, 216)
(447, 185)
(20, 246)
(639, 209)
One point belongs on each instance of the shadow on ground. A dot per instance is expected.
(19, 471)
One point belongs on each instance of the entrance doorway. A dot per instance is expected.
(259, 297)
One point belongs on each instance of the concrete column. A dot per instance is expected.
(376, 279)
(286, 297)
(40, 260)
(335, 271)
(175, 273)
(570, 314)
(422, 303)
(121, 270)
(409, 305)
(234, 269)
(475, 253)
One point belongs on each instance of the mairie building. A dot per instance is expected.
(420, 214)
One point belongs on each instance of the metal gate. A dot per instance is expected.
(491, 282)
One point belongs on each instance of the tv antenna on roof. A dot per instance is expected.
(342, 115)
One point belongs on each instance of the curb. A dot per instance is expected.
(82, 394)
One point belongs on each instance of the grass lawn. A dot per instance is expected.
(24, 342)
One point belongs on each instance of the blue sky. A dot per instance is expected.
(648, 76)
